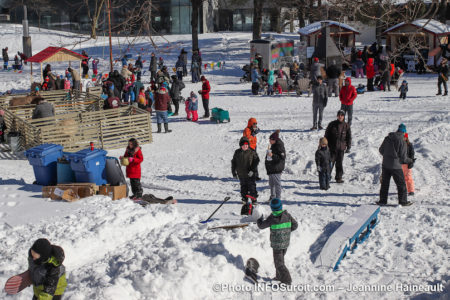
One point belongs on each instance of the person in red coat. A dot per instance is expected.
(370, 73)
(133, 170)
(206, 88)
(347, 96)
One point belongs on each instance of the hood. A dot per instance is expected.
(348, 80)
(396, 135)
(370, 61)
(251, 121)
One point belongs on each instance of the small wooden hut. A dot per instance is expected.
(343, 35)
(430, 33)
(54, 54)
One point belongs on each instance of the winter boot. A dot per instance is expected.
(438, 93)
(159, 128)
(320, 127)
(166, 128)
(445, 94)
(314, 127)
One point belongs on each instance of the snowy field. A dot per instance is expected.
(120, 250)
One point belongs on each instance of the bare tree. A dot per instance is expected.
(257, 18)
(196, 5)
(39, 7)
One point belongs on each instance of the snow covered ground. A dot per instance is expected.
(120, 250)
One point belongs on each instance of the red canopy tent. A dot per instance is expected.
(54, 54)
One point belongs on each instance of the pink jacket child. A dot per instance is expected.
(95, 66)
(186, 108)
(66, 84)
(193, 107)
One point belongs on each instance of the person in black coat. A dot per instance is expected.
(275, 162)
(323, 162)
(339, 138)
(333, 72)
(139, 66)
(394, 151)
(153, 67)
(442, 77)
(175, 92)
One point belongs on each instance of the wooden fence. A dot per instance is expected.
(108, 129)
(63, 102)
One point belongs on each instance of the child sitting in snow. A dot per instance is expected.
(403, 89)
(47, 272)
(281, 225)
(133, 169)
(323, 162)
(192, 107)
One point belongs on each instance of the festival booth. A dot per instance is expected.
(54, 54)
(425, 33)
(275, 53)
(343, 35)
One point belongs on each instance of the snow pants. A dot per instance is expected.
(359, 71)
(337, 157)
(399, 180)
(282, 272)
(440, 82)
(317, 108)
(255, 88)
(333, 86)
(348, 109)
(248, 187)
(136, 187)
(206, 107)
(324, 179)
(370, 84)
(408, 178)
(275, 185)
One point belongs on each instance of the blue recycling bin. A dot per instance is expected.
(65, 174)
(89, 166)
(44, 159)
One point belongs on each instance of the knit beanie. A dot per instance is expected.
(275, 136)
(276, 205)
(43, 248)
(243, 141)
(401, 128)
(341, 112)
(316, 59)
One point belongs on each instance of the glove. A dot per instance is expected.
(130, 159)
(347, 150)
(250, 174)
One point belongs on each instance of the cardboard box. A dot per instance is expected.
(69, 192)
(114, 192)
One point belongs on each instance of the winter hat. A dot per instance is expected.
(316, 59)
(243, 141)
(276, 205)
(404, 81)
(401, 128)
(341, 112)
(43, 248)
(275, 136)
(202, 78)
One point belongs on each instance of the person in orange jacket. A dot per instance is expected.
(250, 133)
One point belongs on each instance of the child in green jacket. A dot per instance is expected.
(281, 225)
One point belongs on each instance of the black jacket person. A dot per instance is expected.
(394, 151)
(339, 138)
(243, 166)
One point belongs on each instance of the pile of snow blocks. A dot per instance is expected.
(352, 232)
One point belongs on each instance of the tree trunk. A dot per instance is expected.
(194, 22)
(94, 28)
(443, 11)
(257, 19)
(301, 16)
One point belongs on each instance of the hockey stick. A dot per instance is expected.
(224, 200)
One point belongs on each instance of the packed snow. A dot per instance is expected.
(120, 250)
